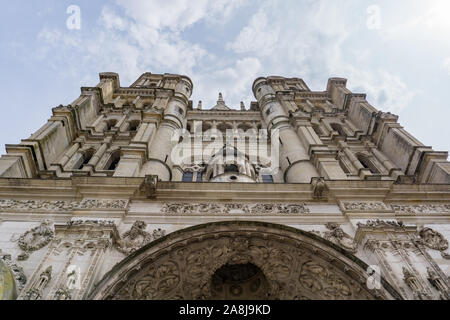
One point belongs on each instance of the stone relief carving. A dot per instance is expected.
(186, 272)
(134, 239)
(233, 208)
(361, 206)
(158, 233)
(17, 270)
(35, 239)
(339, 237)
(439, 284)
(415, 285)
(63, 294)
(421, 208)
(36, 291)
(39, 205)
(149, 185)
(137, 237)
(381, 224)
(319, 188)
(434, 240)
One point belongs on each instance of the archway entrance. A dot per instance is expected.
(240, 260)
(239, 282)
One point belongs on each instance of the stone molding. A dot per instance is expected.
(61, 205)
(296, 264)
(231, 208)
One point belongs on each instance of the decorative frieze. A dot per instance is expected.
(421, 208)
(61, 206)
(234, 208)
(381, 224)
(364, 206)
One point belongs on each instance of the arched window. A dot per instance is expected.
(337, 127)
(110, 124)
(368, 164)
(113, 161)
(317, 129)
(85, 158)
(231, 168)
(134, 126)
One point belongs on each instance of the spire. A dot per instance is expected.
(220, 104)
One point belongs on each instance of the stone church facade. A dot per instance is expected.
(134, 193)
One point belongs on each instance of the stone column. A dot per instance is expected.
(294, 159)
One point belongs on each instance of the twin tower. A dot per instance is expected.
(289, 135)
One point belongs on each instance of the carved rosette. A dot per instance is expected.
(36, 239)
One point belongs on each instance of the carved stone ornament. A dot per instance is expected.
(271, 263)
(319, 188)
(421, 208)
(381, 224)
(434, 240)
(36, 291)
(17, 270)
(233, 208)
(339, 237)
(61, 206)
(364, 206)
(36, 239)
(137, 237)
(415, 285)
(148, 187)
(438, 283)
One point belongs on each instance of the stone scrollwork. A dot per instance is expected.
(17, 270)
(421, 208)
(36, 239)
(434, 240)
(137, 237)
(61, 206)
(134, 239)
(233, 208)
(364, 206)
(381, 224)
(339, 237)
(188, 268)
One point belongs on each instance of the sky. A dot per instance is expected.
(398, 52)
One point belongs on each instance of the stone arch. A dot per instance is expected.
(296, 264)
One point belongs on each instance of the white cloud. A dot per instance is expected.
(235, 82)
(446, 65)
(314, 45)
